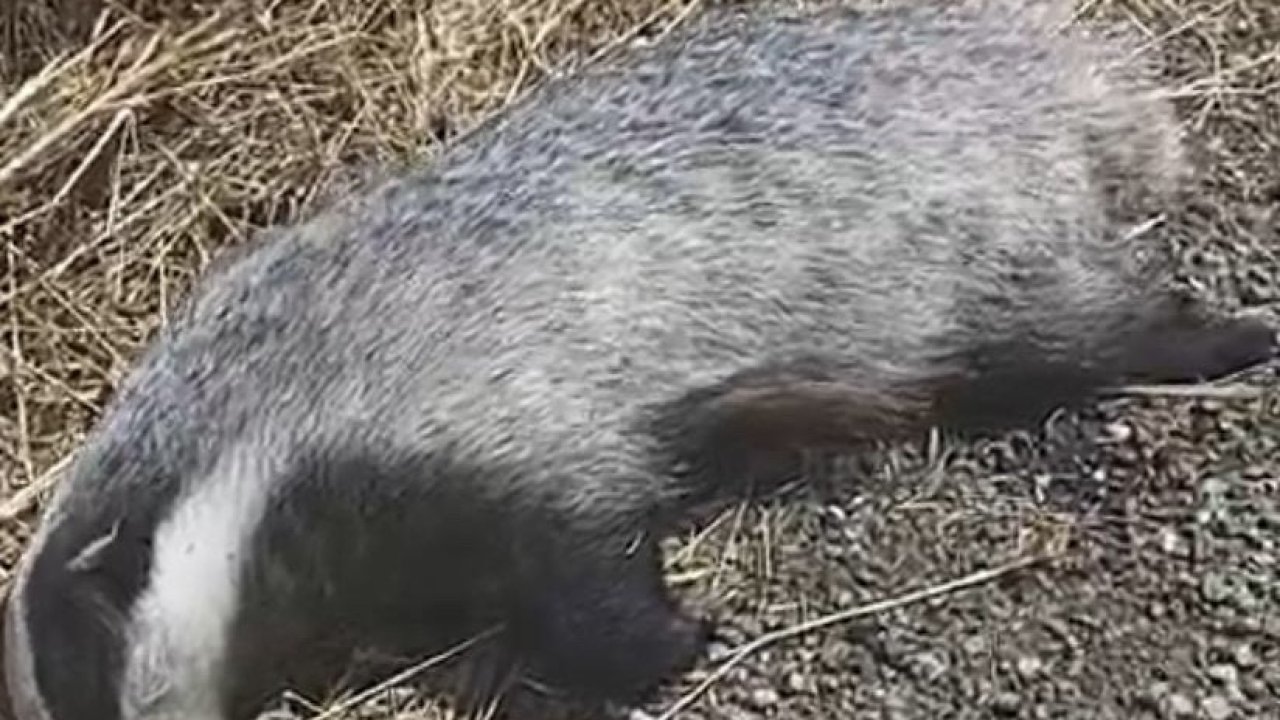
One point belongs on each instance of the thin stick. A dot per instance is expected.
(1208, 392)
(151, 62)
(63, 192)
(30, 493)
(48, 74)
(744, 651)
(404, 676)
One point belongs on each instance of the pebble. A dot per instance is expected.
(764, 697)
(1154, 697)
(1225, 674)
(1215, 588)
(1214, 487)
(1244, 656)
(1253, 687)
(1029, 667)
(928, 666)
(837, 514)
(1179, 706)
(1007, 703)
(1173, 543)
(1216, 707)
(1120, 431)
(976, 645)
(717, 651)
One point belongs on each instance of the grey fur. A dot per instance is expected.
(808, 229)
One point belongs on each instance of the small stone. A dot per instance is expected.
(1216, 707)
(1029, 667)
(976, 645)
(1120, 431)
(795, 682)
(928, 666)
(1225, 674)
(1007, 703)
(1179, 706)
(1254, 688)
(764, 697)
(1153, 698)
(1244, 656)
(1215, 588)
(1214, 487)
(1172, 542)
(717, 651)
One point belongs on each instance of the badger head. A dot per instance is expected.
(123, 605)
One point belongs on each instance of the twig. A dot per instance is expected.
(30, 493)
(633, 32)
(150, 63)
(403, 676)
(744, 651)
(48, 74)
(1143, 228)
(1204, 391)
(63, 192)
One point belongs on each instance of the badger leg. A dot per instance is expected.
(1017, 392)
(748, 434)
(1184, 344)
(1016, 384)
(598, 621)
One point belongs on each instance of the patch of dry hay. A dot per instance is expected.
(138, 137)
(135, 142)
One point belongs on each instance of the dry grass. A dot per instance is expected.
(135, 145)
(139, 137)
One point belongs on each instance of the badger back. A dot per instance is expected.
(888, 189)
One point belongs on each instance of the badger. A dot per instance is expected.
(480, 393)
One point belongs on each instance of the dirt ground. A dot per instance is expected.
(1123, 563)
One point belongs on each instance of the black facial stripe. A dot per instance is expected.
(76, 616)
(365, 548)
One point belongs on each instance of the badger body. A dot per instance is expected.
(479, 394)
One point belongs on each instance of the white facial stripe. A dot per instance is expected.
(180, 626)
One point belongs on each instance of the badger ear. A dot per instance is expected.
(93, 556)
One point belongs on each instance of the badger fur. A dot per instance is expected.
(481, 393)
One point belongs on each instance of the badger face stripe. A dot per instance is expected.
(177, 637)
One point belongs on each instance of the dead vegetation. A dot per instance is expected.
(140, 137)
(136, 142)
